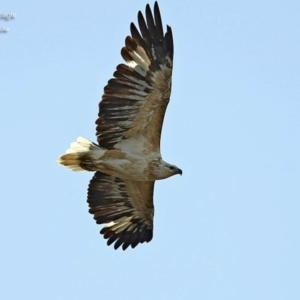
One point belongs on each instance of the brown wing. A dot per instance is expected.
(126, 207)
(135, 100)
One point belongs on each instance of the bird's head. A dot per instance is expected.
(169, 170)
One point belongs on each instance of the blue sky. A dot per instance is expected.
(229, 227)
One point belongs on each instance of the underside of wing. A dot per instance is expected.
(126, 207)
(135, 100)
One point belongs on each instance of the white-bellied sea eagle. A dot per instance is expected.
(127, 158)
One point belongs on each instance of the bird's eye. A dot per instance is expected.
(172, 168)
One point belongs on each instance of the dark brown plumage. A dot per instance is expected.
(118, 103)
(106, 205)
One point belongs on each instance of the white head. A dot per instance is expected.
(167, 170)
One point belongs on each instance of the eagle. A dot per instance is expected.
(126, 158)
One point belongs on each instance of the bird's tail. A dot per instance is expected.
(81, 156)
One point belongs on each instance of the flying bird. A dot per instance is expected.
(127, 159)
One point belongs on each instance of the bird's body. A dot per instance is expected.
(127, 163)
(127, 158)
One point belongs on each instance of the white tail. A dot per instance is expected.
(80, 152)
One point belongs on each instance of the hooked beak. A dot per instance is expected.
(179, 171)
